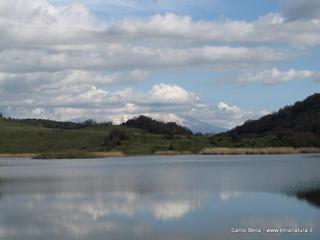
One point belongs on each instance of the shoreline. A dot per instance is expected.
(206, 151)
(259, 151)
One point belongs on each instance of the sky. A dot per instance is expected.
(221, 62)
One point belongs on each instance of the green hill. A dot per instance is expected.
(157, 127)
(295, 126)
(36, 136)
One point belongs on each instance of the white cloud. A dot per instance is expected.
(276, 76)
(229, 116)
(38, 111)
(270, 29)
(169, 93)
(77, 215)
(166, 29)
(42, 82)
(58, 61)
(90, 100)
(46, 37)
(38, 23)
(119, 57)
(221, 114)
(226, 196)
(166, 102)
(171, 210)
(231, 109)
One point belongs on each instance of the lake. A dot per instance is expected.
(152, 197)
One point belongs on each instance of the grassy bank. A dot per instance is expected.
(257, 151)
(207, 151)
(17, 138)
(77, 155)
(172, 153)
(24, 139)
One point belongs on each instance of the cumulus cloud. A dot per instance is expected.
(229, 115)
(37, 24)
(165, 102)
(225, 107)
(89, 100)
(276, 76)
(46, 37)
(168, 93)
(59, 61)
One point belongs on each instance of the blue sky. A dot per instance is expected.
(199, 10)
(221, 62)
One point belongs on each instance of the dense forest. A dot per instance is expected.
(55, 124)
(297, 126)
(157, 127)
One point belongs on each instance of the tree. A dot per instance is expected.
(115, 137)
(171, 147)
(89, 123)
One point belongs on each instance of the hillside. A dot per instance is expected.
(297, 126)
(36, 136)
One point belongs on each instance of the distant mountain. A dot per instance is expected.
(200, 126)
(183, 120)
(297, 125)
(193, 124)
(153, 126)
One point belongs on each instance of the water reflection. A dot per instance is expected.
(82, 215)
(158, 198)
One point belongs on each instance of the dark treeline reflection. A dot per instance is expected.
(311, 196)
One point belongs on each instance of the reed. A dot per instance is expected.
(17, 155)
(167, 153)
(257, 151)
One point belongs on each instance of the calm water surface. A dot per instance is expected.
(185, 197)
